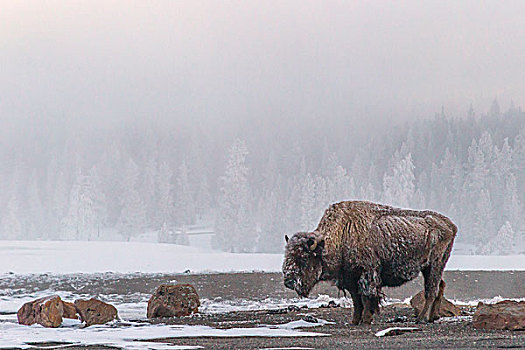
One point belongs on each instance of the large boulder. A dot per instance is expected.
(47, 311)
(94, 311)
(173, 301)
(447, 309)
(507, 314)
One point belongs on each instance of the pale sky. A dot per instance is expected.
(224, 61)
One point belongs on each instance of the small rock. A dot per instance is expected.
(310, 319)
(293, 308)
(173, 301)
(94, 311)
(447, 309)
(507, 314)
(398, 319)
(277, 311)
(45, 311)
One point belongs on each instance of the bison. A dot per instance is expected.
(364, 246)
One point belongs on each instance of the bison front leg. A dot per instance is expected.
(370, 307)
(370, 290)
(358, 307)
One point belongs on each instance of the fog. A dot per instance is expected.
(101, 94)
(121, 61)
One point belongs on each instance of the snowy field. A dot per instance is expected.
(22, 259)
(133, 332)
(65, 257)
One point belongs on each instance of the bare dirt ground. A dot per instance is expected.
(451, 333)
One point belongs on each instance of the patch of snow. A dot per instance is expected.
(301, 324)
(486, 262)
(219, 305)
(454, 319)
(395, 330)
(136, 336)
(475, 302)
(294, 348)
(61, 257)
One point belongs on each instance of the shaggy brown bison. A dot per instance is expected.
(364, 246)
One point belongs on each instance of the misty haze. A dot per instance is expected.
(200, 133)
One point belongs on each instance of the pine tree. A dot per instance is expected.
(87, 209)
(503, 243)
(133, 215)
(35, 211)
(234, 228)
(184, 200)
(399, 183)
(308, 206)
(484, 224)
(11, 226)
(164, 195)
(512, 208)
(148, 186)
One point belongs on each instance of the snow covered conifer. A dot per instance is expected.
(133, 215)
(164, 215)
(502, 243)
(184, 200)
(11, 226)
(399, 183)
(234, 227)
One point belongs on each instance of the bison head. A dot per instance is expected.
(302, 265)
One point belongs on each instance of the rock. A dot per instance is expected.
(173, 301)
(70, 311)
(94, 311)
(277, 312)
(293, 308)
(398, 319)
(447, 309)
(507, 314)
(310, 319)
(45, 311)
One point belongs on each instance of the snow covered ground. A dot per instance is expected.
(65, 257)
(132, 325)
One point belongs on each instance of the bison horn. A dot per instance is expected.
(286, 238)
(312, 244)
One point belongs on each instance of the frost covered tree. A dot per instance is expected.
(399, 182)
(148, 189)
(11, 226)
(87, 209)
(484, 222)
(234, 228)
(35, 212)
(133, 214)
(308, 204)
(184, 200)
(164, 190)
(502, 244)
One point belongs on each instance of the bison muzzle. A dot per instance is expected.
(364, 246)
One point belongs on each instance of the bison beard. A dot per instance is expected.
(364, 246)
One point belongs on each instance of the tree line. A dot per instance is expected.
(256, 182)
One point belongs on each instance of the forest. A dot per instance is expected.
(261, 179)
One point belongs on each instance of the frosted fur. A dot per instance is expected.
(364, 246)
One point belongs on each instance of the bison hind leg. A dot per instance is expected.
(434, 310)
